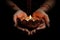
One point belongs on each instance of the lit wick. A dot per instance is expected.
(29, 18)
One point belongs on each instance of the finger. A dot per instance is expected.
(20, 28)
(34, 30)
(22, 15)
(31, 32)
(42, 26)
(45, 17)
(47, 20)
(15, 19)
(28, 32)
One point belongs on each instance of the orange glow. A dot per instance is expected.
(29, 18)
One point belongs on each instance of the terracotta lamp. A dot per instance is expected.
(30, 24)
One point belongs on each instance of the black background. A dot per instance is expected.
(9, 31)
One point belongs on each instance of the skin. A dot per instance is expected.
(19, 14)
(37, 15)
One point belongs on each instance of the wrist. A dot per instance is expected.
(42, 11)
(18, 11)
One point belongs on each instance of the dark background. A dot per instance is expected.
(9, 31)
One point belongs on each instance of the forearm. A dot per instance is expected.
(12, 5)
(48, 4)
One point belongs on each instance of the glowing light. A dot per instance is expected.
(29, 18)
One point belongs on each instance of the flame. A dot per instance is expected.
(29, 18)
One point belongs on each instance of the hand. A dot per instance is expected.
(39, 14)
(21, 14)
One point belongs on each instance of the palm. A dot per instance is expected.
(38, 15)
